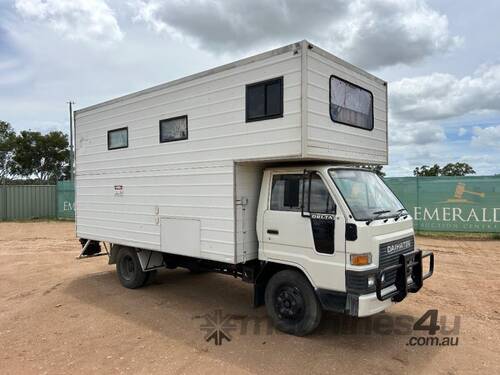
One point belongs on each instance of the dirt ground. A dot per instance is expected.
(62, 315)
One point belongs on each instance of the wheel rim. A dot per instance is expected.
(127, 267)
(289, 304)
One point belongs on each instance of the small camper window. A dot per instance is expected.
(174, 129)
(117, 138)
(350, 104)
(264, 100)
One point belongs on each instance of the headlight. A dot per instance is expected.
(361, 259)
(371, 281)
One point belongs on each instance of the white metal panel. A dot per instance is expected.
(248, 178)
(193, 178)
(181, 236)
(335, 141)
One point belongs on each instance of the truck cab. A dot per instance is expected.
(345, 231)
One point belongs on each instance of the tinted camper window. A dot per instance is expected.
(117, 138)
(173, 129)
(350, 104)
(264, 100)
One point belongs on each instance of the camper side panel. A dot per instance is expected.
(248, 179)
(144, 194)
(334, 140)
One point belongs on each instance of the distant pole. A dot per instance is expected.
(71, 154)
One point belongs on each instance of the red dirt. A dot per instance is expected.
(60, 315)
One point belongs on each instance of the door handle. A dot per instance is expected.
(273, 231)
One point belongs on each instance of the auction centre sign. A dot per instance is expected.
(466, 204)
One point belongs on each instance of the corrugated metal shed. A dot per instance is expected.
(23, 202)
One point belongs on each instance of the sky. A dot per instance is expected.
(440, 57)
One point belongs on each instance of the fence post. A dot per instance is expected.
(3, 196)
(56, 201)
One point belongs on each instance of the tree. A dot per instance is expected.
(55, 155)
(450, 169)
(457, 169)
(375, 168)
(43, 156)
(425, 170)
(7, 136)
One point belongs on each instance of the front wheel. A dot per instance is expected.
(129, 270)
(292, 304)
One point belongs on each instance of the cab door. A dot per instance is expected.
(303, 227)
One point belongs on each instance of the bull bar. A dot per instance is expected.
(409, 267)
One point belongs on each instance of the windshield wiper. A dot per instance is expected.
(377, 215)
(400, 213)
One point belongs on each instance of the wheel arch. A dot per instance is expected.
(113, 253)
(269, 269)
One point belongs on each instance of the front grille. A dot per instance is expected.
(389, 253)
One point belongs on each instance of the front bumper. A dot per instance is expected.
(356, 302)
(368, 304)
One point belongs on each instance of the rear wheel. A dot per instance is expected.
(129, 269)
(292, 304)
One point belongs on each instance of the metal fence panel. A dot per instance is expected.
(451, 204)
(65, 200)
(24, 202)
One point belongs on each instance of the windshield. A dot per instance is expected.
(366, 194)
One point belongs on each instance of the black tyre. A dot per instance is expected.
(292, 304)
(129, 269)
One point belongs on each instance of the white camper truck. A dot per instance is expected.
(250, 169)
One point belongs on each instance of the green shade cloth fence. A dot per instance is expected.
(65, 200)
(451, 204)
(460, 204)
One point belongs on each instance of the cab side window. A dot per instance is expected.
(286, 192)
(320, 200)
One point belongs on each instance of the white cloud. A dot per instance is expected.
(385, 32)
(418, 108)
(87, 20)
(371, 33)
(440, 96)
(12, 72)
(46, 63)
(418, 134)
(403, 159)
(37, 81)
(486, 137)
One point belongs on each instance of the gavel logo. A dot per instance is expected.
(460, 190)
